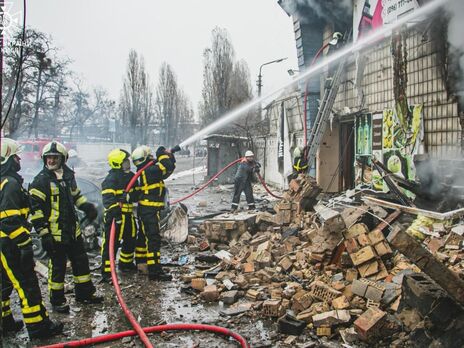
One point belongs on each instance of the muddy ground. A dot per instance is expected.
(154, 303)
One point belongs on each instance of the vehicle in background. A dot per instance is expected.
(31, 153)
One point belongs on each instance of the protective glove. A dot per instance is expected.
(89, 210)
(48, 243)
(26, 259)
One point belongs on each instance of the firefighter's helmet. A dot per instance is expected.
(116, 157)
(139, 155)
(147, 150)
(9, 148)
(249, 153)
(55, 148)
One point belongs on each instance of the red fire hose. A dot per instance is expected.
(208, 182)
(151, 329)
(267, 188)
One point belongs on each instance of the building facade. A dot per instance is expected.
(397, 100)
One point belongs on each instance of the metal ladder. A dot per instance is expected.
(323, 115)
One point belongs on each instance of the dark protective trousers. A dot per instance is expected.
(125, 238)
(239, 187)
(23, 279)
(141, 245)
(75, 251)
(150, 226)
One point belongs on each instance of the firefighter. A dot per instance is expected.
(118, 206)
(300, 162)
(243, 180)
(151, 201)
(17, 263)
(144, 155)
(54, 195)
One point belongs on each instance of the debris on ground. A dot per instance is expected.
(347, 269)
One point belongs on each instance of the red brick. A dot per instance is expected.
(369, 323)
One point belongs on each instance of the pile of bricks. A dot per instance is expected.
(326, 270)
(366, 250)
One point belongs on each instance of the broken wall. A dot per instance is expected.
(425, 86)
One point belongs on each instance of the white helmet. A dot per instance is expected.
(249, 154)
(139, 155)
(8, 148)
(55, 148)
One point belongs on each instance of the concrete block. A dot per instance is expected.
(229, 297)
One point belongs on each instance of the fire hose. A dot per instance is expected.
(138, 330)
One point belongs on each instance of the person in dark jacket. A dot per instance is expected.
(243, 181)
(118, 206)
(54, 195)
(151, 190)
(17, 263)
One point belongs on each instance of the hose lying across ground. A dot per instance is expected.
(138, 330)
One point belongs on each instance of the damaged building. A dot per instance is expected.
(396, 100)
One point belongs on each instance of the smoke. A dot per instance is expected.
(332, 10)
(455, 10)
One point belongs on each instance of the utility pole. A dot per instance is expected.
(259, 83)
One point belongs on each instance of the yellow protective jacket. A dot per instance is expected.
(53, 204)
(14, 209)
(151, 188)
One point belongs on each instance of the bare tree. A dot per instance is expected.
(218, 64)
(132, 94)
(173, 109)
(41, 81)
(226, 83)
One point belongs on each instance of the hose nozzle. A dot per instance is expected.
(175, 149)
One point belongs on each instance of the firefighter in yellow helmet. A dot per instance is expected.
(151, 201)
(118, 206)
(17, 263)
(54, 198)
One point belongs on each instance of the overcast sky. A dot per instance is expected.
(98, 34)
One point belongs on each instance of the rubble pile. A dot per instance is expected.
(331, 272)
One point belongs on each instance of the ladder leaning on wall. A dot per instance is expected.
(323, 115)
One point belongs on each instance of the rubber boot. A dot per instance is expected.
(11, 325)
(46, 329)
(159, 274)
(127, 267)
(92, 299)
(61, 307)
